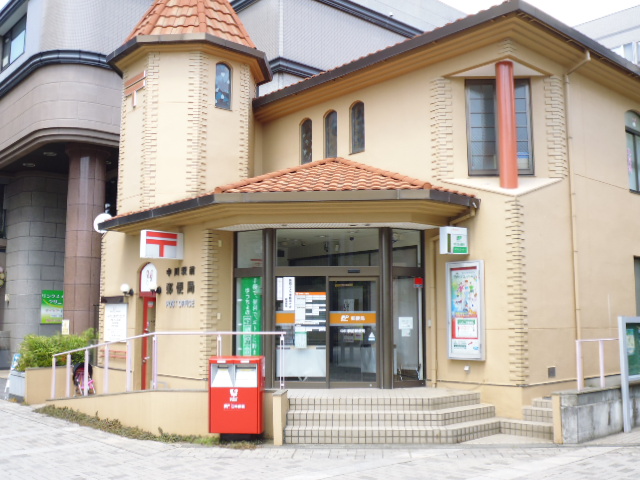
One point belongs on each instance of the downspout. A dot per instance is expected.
(572, 200)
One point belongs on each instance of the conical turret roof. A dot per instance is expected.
(175, 17)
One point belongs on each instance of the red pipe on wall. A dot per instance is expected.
(507, 135)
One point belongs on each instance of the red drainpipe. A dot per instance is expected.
(507, 135)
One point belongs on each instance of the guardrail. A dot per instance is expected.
(579, 365)
(130, 355)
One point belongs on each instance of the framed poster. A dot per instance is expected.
(52, 306)
(115, 321)
(465, 310)
(629, 337)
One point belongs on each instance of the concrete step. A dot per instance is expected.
(446, 434)
(544, 402)
(384, 403)
(388, 417)
(536, 414)
(526, 428)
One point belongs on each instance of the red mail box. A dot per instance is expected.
(236, 390)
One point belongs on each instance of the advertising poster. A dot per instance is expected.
(465, 302)
(115, 321)
(51, 308)
(250, 316)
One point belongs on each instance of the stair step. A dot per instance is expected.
(536, 414)
(384, 403)
(525, 428)
(544, 402)
(450, 434)
(389, 418)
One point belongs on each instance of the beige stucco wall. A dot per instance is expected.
(176, 143)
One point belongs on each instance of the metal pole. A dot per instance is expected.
(601, 348)
(281, 360)
(154, 381)
(129, 386)
(105, 381)
(53, 377)
(85, 379)
(68, 377)
(579, 365)
(219, 346)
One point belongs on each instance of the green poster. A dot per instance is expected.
(52, 307)
(633, 348)
(250, 316)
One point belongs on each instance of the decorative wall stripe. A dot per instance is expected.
(197, 133)
(244, 98)
(208, 296)
(556, 127)
(516, 293)
(150, 133)
(441, 109)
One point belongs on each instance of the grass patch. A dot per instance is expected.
(115, 427)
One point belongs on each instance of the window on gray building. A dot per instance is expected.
(13, 43)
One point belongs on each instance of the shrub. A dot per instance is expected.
(37, 350)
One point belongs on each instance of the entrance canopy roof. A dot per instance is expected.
(333, 192)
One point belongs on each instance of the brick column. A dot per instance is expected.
(85, 200)
(507, 134)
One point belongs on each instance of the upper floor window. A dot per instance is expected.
(223, 86)
(630, 51)
(482, 126)
(305, 141)
(357, 127)
(13, 43)
(331, 134)
(632, 123)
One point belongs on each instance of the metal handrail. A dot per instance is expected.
(129, 358)
(579, 366)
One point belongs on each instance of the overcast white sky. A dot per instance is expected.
(571, 12)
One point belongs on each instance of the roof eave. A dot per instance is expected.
(125, 222)
(141, 41)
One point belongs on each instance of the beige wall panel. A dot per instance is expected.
(548, 257)
(552, 348)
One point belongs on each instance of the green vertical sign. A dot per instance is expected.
(633, 348)
(52, 307)
(251, 316)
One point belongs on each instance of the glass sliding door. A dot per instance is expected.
(301, 312)
(353, 332)
(408, 364)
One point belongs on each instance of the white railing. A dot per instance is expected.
(130, 354)
(579, 362)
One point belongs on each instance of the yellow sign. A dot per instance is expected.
(352, 318)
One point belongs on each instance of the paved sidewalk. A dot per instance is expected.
(34, 446)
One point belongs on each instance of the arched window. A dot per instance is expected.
(331, 134)
(223, 86)
(305, 141)
(357, 127)
(632, 124)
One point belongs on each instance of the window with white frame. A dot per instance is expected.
(482, 127)
(632, 128)
(13, 43)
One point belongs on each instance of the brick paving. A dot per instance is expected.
(33, 446)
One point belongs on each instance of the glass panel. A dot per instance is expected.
(6, 49)
(223, 86)
(628, 51)
(301, 312)
(305, 142)
(632, 162)
(327, 247)
(407, 248)
(249, 315)
(632, 120)
(353, 332)
(331, 135)
(18, 36)
(249, 252)
(407, 330)
(357, 127)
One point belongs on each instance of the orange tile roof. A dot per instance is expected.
(174, 17)
(331, 174)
